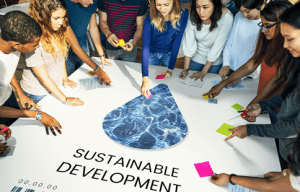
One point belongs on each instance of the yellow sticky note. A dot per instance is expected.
(121, 43)
(92, 73)
(205, 97)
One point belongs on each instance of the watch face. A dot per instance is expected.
(39, 116)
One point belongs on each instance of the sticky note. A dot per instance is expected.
(224, 129)
(205, 97)
(237, 107)
(214, 101)
(204, 169)
(160, 76)
(92, 73)
(121, 43)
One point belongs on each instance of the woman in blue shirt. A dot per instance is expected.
(162, 33)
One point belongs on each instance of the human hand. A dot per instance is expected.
(112, 39)
(198, 75)
(145, 87)
(68, 82)
(73, 101)
(128, 46)
(240, 132)
(224, 71)
(103, 76)
(273, 175)
(253, 110)
(167, 73)
(183, 74)
(50, 123)
(3, 148)
(27, 102)
(220, 179)
(6, 133)
(233, 83)
(214, 91)
(104, 62)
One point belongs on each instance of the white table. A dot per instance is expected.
(37, 157)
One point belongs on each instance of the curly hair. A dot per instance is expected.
(157, 18)
(41, 11)
(18, 26)
(215, 16)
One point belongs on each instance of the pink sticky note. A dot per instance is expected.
(160, 76)
(204, 169)
(150, 96)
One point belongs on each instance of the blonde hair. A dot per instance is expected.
(157, 18)
(41, 11)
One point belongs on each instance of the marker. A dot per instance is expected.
(4, 129)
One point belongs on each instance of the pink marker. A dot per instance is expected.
(150, 96)
(4, 129)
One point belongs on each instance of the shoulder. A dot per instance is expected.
(226, 13)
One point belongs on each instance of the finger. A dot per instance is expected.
(232, 130)
(223, 77)
(57, 129)
(101, 79)
(201, 78)
(230, 136)
(164, 73)
(102, 65)
(53, 132)
(47, 131)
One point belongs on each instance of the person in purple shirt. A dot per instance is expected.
(163, 30)
(121, 19)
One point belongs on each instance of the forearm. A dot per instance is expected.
(8, 112)
(260, 184)
(241, 72)
(72, 40)
(187, 61)
(104, 28)
(95, 34)
(207, 66)
(137, 35)
(15, 84)
(53, 88)
(267, 89)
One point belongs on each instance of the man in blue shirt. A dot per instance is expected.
(82, 13)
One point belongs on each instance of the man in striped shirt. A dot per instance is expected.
(122, 19)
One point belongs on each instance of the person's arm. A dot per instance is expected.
(110, 37)
(267, 89)
(24, 100)
(95, 34)
(256, 184)
(72, 40)
(145, 56)
(176, 43)
(42, 74)
(48, 121)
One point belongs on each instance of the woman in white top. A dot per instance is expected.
(205, 36)
(240, 44)
(45, 67)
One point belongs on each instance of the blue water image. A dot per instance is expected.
(152, 123)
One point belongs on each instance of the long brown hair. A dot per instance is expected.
(272, 51)
(41, 11)
(157, 18)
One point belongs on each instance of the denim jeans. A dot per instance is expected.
(121, 54)
(163, 58)
(13, 103)
(198, 66)
(35, 98)
(73, 62)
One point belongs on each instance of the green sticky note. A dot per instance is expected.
(224, 129)
(237, 107)
(205, 97)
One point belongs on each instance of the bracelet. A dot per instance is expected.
(230, 179)
(102, 55)
(284, 172)
(96, 68)
(4, 129)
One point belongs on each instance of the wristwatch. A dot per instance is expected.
(230, 179)
(39, 116)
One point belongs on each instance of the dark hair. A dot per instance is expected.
(215, 16)
(291, 16)
(249, 4)
(272, 51)
(20, 27)
(294, 156)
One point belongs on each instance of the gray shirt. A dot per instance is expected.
(55, 68)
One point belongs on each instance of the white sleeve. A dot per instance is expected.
(219, 43)
(189, 41)
(228, 45)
